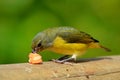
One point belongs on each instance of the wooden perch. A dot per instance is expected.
(104, 68)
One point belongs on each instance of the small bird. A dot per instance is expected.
(65, 40)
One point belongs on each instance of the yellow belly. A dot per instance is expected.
(62, 47)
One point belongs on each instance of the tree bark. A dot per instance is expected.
(104, 68)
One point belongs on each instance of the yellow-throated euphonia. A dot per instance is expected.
(65, 40)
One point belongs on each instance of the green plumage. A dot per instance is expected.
(69, 34)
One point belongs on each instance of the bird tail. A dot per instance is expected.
(106, 49)
(97, 45)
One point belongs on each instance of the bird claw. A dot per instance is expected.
(61, 62)
(58, 61)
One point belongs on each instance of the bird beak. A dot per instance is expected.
(36, 50)
(33, 51)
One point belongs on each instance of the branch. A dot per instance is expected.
(104, 68)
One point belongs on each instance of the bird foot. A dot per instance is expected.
(62, 62)
(58, 61)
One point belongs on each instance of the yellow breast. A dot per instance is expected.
(62, 47)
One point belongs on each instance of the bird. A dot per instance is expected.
(68, 41)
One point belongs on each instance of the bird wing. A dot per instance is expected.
(76, 37)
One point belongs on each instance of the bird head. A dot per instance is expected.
(43, 40)
(37, 42)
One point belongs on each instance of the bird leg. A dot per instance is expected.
(63, 57)
(73, 58)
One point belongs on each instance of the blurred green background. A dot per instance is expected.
(21, 20)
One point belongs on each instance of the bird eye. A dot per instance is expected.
(39, 44)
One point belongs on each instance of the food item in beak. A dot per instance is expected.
(35, 58)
